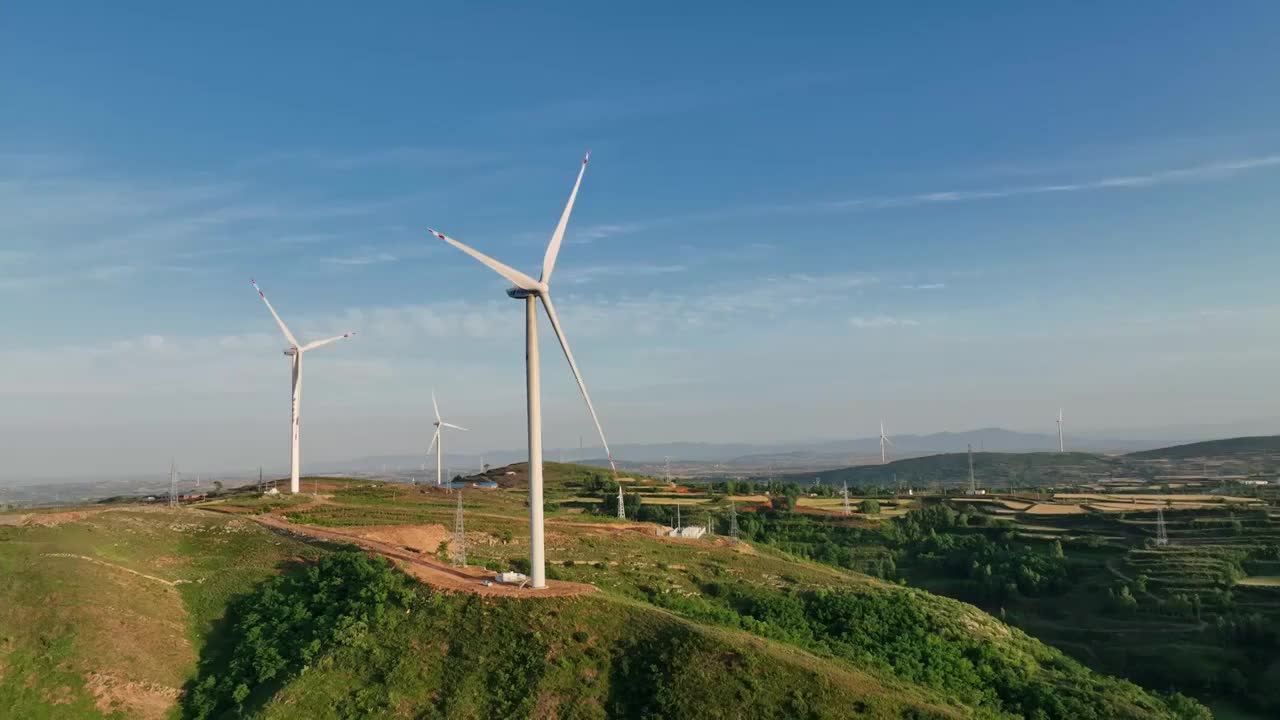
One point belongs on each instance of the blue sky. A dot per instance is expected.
(795, 222)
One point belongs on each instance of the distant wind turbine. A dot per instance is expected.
(530, 290)
(436, 442)
(1060, 445)
(884, 443)
(295, 351)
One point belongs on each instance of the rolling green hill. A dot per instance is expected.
(554, 475)
(1262, 444)
(129, 612)
(990, 468)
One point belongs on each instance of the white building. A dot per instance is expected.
(692, 531)
(511, 577)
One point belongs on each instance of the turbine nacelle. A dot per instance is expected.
(292, 351)
(522, 293)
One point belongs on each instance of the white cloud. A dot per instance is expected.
(924, 286)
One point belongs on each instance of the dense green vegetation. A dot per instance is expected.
(1164, 616)
(348, 637)
(903, 633)
(289, 623)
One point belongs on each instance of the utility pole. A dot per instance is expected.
(711, 529)
(459, 535)
(733, 522)
(261, 488)
(667, 461)
(622, 510)
(845, 493)
(1162, 535)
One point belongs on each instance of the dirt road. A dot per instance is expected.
(424, 567)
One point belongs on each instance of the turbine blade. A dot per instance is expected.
(549, 260)
(284, 328)
(432, 446)
(568, 355)
(435, 405)
(455, 427)
(522, 281)
(326, 341)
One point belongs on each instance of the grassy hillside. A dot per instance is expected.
(103, 613)
(1262, 444)
(155, 613)
(991, 469)
(554, 475)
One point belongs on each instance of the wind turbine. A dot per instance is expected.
(884, 442)
(1060, 446)
(435, 441)
(530, 290)
(295, 351)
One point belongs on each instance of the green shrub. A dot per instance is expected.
(289, 622)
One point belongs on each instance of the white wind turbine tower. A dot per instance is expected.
(530, 290)
(884, 443)
(1060, 445)
(436, 441)
(295, 351)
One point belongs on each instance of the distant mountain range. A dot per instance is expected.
(695, 456)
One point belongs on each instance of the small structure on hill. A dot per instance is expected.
(511, 577)
(691, 531)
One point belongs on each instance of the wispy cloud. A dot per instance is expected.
(364, 158)
(1192, 173)
(366, 258)
(924, 286)
(592, 233)
(583, 275)
(1209, 171)
(98, 273)
(880, 321)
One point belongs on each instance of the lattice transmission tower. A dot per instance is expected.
(733, 522)
(973, 483)
(1162, 535)
(173, 484)
(845, 493)
(459, 535)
